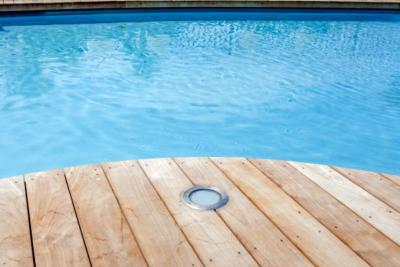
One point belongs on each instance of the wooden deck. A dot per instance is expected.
(130, 214)
(40, 5)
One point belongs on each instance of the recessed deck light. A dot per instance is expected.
(205, 197)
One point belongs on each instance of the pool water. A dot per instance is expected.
(79, 88)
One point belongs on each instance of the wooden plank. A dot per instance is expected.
(108, 237)
(374, 211)
(213, 241)
(265, 242)
(160, 238)
(369, 243)
(317, 242)
(374, 183)
(393, 178)
(15, 242)
(56, 235)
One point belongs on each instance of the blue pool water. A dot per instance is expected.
(320, 87)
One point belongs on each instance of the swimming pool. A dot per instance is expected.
(311, 86)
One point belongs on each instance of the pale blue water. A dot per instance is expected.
(315, 87)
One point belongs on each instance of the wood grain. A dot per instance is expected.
(393, 178)
(213, 241)
(301, 227)
(160, 238)
(376, 184)
(55, 231)
(363, 238)
(15, 243)
(131, 214)
(371, 209)
(107, 234)
(261, 237)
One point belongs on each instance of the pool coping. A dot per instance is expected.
(47, 5)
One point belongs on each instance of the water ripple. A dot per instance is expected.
(316, 91)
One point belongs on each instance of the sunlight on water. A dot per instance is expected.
(325, 91)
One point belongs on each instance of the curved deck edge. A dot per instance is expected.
(131, 211)
(391, 176)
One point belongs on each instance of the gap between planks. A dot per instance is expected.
(367, 241)
(240, 215)
(300, 226)
(160, 189)
(379, 214)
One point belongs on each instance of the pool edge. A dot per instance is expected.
(15, 6)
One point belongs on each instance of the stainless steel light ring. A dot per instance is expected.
(223, 197)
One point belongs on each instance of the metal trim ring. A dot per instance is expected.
(223, 197)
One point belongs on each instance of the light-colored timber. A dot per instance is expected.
(363, 203)
(130, 213)
(15, 244)
(42, 5)
(112, 243)
(56, 238)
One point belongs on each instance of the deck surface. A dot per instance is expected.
(130, 213)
